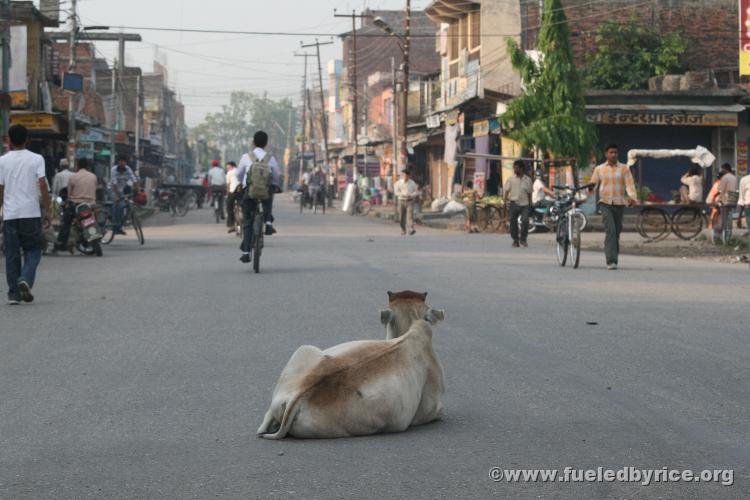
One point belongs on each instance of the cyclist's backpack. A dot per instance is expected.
(259, 178)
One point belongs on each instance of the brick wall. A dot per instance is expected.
(710, 26)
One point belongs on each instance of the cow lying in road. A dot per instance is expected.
(363, 387)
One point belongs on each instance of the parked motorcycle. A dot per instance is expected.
(86, 231)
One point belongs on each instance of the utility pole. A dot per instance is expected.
(304, 118)
(138, 93)
(394, 125)
(112, 156)
(71, 96)
(289, 145)
(405, 105)
(353, 85)
(323, 117)
(6, 100)
(312, 128)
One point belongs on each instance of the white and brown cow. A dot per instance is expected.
(363, 387)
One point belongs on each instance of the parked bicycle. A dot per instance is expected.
(569, 225)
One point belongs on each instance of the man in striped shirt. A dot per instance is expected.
(616, 190)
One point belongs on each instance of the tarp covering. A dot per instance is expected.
(699, 155)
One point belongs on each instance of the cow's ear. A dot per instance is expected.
(386, 316)
(390, 295)
(434, 315)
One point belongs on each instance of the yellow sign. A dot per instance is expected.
(19, 99)
(666, 118)
(481, 128)
(744, 37)
(511, 149)
(35, 121)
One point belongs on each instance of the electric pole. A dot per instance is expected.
(112, 156)
(6, 100)
(323, 117)
(138, 93)
(304, 118)
(289, 144)
(405, 105)
(353, 85)
(71, 97)
(312, 128)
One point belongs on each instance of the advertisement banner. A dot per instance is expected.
(744, 37)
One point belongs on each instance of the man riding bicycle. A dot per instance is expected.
(122, 180)
(256, 168)
(217, 182)
(317, 184)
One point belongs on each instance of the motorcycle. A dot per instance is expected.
(87, 232)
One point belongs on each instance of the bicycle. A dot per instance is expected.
(491, 216)
(129, 218)
(569, 225)
(688, 222)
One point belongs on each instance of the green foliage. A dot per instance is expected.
(234, 126)
(627, 55)
(551, 114)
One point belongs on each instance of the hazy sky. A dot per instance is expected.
(205, 68)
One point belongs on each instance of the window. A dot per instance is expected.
(475, 26)
(453, 42)
(464, 31)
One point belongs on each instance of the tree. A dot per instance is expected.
(233, 127)
(627, 55)
(551, 113)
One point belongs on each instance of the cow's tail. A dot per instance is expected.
(287, 419)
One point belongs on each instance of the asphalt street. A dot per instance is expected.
(145, 373)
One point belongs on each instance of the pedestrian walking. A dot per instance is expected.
(406, 192)
(518, 190)
(727, 198)
(616, 190)
(22, 179)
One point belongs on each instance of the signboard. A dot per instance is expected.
(744, 37)
(479, 181)
(481, 128)
(666, 118)
(742, 158)
(510, 149)
(36, 121)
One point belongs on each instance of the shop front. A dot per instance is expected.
(672, 121)
(47, 136)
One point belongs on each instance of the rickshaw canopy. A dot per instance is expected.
(700, 155)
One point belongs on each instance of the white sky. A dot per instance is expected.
(205, 68)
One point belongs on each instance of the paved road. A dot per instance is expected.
(144, 374)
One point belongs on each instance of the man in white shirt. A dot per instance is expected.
(22, 178)
(63, 175)
(743, 201)
(217, 183)
(232, 184)
(250, 205)
(406, 191)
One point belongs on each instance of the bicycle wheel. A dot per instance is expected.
(653, 224)
(301, 202)
(562, 241)
(726, 225)
(495, 218)
(687, 223)
(257, 242)
(364, 207)
(182, 207)
(576, 222)
(138, 228)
